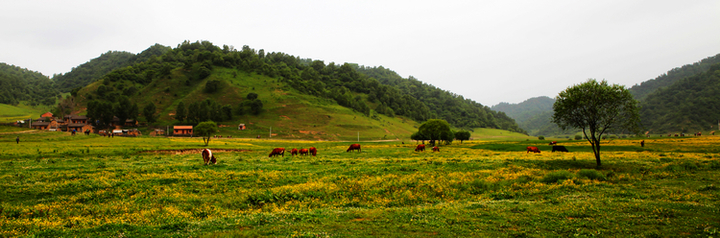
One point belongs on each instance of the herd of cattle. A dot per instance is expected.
(554, 148)
(208, 157)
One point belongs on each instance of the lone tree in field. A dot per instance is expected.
(206, 129)
(462, 135)
(596, 108)
(436, 129)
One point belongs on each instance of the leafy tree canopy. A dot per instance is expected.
(596, 108)
(436, 129)
(206, 130)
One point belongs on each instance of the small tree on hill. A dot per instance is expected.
(206, 130)
(462, 135)
(180, 112)
(149, 112)
(596, 107)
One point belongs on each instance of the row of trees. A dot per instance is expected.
(438, 130)
(208, 110)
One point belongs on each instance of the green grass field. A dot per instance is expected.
(10, 113)
(57, 185)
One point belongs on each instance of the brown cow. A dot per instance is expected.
(208, 157)
(277, 151)
(533, 149)
(436, 149)
(420, 147)
(354, 147)
(553, 143)
(304, 151)
(313, 151)
(293, 151)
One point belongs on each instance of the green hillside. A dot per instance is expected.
(20, 84)
(642, 90)
(96, 68)
(299, 98)
(12, 113)
(687, 106)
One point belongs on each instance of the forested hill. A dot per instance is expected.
(645, 88)
(453, 108)
(193, 63)
(689, 105)
(94, 69)
(532, 115)
(526, 109)
(20, 84)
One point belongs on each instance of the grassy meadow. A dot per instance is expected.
(57, 185)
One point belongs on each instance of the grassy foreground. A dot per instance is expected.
(56, 185)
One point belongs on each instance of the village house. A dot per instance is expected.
(78, 119)
(43, 125)
(182, 130)
(80, 127)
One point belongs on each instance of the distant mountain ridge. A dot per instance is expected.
(681, 100)
(532, 115)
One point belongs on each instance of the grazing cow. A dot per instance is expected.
(293, 152)
(553, 143)
(436, 149)
(313, 151)
(354, 147)
(277, 151)
(420, 147)
(304, 151)
(208, 157)
(532, 149)
(558, 148)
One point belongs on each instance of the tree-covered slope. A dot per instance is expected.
(193, 72)
(455, 109)
(94, 69)
(689, 105)
(642, 90)
(20, 84)
(532, 115)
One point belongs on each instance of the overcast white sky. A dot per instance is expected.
(488, 51)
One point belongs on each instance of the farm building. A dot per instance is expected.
(242, 127)
(79, 127)
(157, 132)
(47, 114)
(75, 119)
(51, 125)
(182, 130)
(131, 122)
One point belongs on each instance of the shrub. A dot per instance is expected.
(592, 174)
(556, 176)
(541, 138)
(578, 137)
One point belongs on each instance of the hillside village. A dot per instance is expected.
(79, 124)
